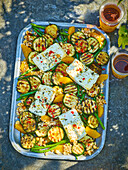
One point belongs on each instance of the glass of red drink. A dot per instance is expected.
(110, 15)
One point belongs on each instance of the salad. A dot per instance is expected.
(61, 90)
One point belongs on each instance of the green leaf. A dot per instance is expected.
(119, 2)
(123, 36)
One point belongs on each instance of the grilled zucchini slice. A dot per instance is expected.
(96, 68)
(62, 68)
(46, 78)
(89, 106)
(81, 46)
(35, 81)
(31, 56)
(52, 30)
(70, 100)
(25, 115)
(94, 91)
(29, 100)
(93, 44)
(76, 36)
(70, 88)
(23, 86)
(78, 149)
(54, 111)
(40, 44)
(92, 121)
(27, 141)
(55, 77)
(56, 134)
(42, 129)
(87, 58)
(68, 48)
(102, 58)
(29, 125)
(49, 39)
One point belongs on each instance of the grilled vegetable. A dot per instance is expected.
(42, 129)
(70, 88)
(78, 149)
(102, 58)
(40, 44)
(52, 30)
(67, 60)
(23, 86)
(93, 44)
(81, 46)
(58, 98)
(62, 68)
(76, 36)
(54, 111)
(96, 68)
(56, 134)
(87, 58)
(55, 77)
(25, 115)
(70, 100)
(46, 78)
(68, 48)
(35, 81)
(91, 132)
(49, 39)
(27, 141)
(64, 80)
(89, 106)
(31, 56)
(26, 51)
(92, 121)
(94, 91)
(71, 30)
(29, 125)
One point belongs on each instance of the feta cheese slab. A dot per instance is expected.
(73, 125)
(81, 74)
(49, 58)
(43, 98)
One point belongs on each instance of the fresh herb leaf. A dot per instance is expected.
(123, 36)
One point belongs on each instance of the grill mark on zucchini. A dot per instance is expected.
(56, 134)
(54, 111)
(89, 106)
(102, 58)
(35, 81)
(27, 141)
(92, 121)
(87, 58)
(46, 78)
(77, 35)
(70, 100)
(23, 86)
(70, 88)
(40, 44)
(29, 125)
(25, 115)
(42, 129)
(93, 44)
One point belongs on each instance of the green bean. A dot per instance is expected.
(104, 43)
(38, 26)
(28, 71)
(26, 94)
(101, 124)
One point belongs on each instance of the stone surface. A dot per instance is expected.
(14, 16)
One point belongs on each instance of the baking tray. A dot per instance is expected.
(14, 134)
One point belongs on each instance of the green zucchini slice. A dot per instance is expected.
(70, 88)
(93, 44)
(35, 81)
(70, 100)
(81, 45)
(87, 58)
(31, 56)
(29, 100)
(25, 115)
(27, 141)
(46, 78)
(40, 44)
(78, 149)
(49, 39)
(55, 77)
(56, 134)
(29, 125)
(96, 68)
(68, 48)
(92, 121)
(102, 58)
(54, 111)
(76, 36)
(52, 30)
(42, 129)
(23, 86)
(62, 68)
(94, 91)
(89, 106)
